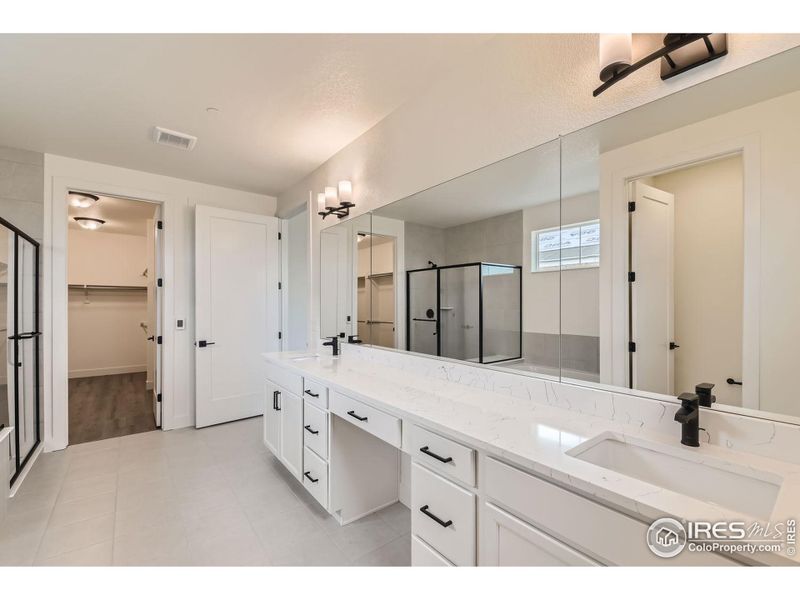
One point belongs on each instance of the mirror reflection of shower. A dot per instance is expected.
(470, 311)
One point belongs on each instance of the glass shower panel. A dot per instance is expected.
(502, 312)
(27, 342)
(460, 312)
(422, 307)
(6, 329)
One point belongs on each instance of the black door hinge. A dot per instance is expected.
(280, 286)
(280, 236)
(160, 282)
(631, 346)
(631, 206)
(160, 224)
(631, 276)
(280, 335)
(159, 340)
(158, 397)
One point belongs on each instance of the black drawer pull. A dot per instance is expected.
(312, 394)
(311, 431)
(353, 414)
(425, 450)
(307, 474)
(424, 510)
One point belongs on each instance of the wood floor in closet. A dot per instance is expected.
(109, 406)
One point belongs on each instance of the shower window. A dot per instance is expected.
(571, 246)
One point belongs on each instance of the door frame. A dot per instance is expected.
(56, 300)
(617, 169)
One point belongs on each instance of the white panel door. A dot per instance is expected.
(237, 311)
(652, 294)
(291, 408)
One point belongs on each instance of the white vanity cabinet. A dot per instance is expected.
(283, 427)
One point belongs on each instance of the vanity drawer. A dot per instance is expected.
(439, 453)
(378, 423)
(315, 477)
(590, 527)
(443, 515)
(315, 392)
(285, 378)
(423, 555)
(315, 429)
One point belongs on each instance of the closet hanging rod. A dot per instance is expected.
(75, 286)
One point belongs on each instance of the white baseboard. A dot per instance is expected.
(107, 371)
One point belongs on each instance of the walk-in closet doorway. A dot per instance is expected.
(115, 290)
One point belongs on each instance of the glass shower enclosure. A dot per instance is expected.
(20, 380)
(470, 311)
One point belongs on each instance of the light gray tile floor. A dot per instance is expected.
(212, 496)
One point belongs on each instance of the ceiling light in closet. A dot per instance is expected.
(89, 223)
(82, 199)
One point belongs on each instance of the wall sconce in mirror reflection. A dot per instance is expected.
(680, 53)
(336, 200)
(89, 223)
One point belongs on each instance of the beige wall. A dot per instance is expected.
(105, 336)
(709, 274)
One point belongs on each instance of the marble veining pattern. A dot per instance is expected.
(533, 422)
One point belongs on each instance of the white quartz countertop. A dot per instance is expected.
(537, 437)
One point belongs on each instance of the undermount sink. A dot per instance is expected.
(686, 472)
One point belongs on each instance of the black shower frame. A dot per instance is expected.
(438, 318)
(18, 336)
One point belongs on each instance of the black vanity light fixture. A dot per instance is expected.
(82, 199)
(336, 200)
(89, 222)
(680, 53)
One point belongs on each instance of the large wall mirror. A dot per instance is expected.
(460, 279)
(649, 253)
(345, 266)
(681, 218)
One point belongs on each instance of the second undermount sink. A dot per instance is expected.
(686, 472)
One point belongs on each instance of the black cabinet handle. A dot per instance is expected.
(424, 510)
(425, 450)
(311, 431)
(732, 381)
(353, 414)
(312, 394)
(307, 474)
(276, 395)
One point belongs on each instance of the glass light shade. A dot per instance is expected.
(615, 53)
(321, 202)
(88, 223)
(331, 198)
(346, 193)
(81, 200)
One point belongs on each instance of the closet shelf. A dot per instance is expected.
(76, 286)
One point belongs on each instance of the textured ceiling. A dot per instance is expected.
(286, 102)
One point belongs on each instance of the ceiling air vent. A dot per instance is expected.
(176, 139)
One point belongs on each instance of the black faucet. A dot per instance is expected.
(688, 415)
(353, 339)
(703, 391)
(333, 342)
